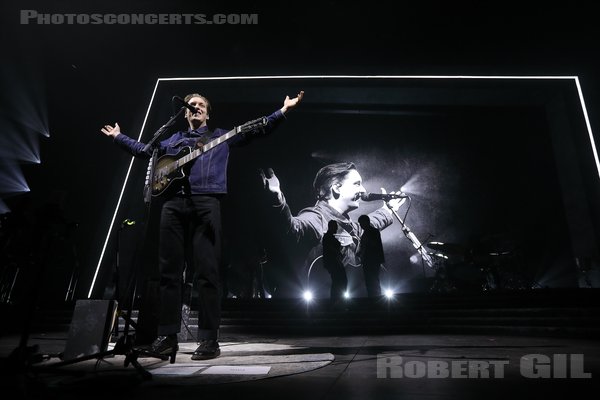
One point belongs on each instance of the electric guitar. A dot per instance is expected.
(169, 168)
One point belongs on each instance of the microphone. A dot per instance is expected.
(382, 196)
(192, 109)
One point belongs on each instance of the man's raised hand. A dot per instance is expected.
(111, 131)
(288, 103)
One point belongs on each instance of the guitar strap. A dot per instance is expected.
(204, 138)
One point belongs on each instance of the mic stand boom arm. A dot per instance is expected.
(413, 239)
(163, 129)
(125, 344)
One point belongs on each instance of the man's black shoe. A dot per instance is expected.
(164, 345)
(208, 349)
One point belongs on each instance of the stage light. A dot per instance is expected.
(307, 295)
(19, 144)
(346, 294)
(3, 209)
(388, 293)
(12, 180)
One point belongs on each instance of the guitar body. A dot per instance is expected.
(164, 175)
(169, 168)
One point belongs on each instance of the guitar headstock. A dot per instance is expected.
(254, 125)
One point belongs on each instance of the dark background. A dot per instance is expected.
(74, 79)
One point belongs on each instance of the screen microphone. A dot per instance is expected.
(382, 196)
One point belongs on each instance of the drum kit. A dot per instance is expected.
(491, 263)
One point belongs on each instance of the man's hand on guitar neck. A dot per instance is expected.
(111, 131)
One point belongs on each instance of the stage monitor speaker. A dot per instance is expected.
(90, 328)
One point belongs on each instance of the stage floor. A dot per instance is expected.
(326, 367)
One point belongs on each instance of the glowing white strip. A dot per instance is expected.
(112, 222)
(223, 78)
(230, 78)
(587, 124)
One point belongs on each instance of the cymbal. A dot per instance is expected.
(447, 248)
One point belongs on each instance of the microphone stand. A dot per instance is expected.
(150, 145)
(163, 129)
(25, 357)
(125, 344)
(425, 257)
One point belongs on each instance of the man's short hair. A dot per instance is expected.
(189, 97)
(364, 219)
(328, 176)
(332, 225)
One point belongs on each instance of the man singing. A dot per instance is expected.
(190, 223)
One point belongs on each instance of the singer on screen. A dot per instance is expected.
(338, 189)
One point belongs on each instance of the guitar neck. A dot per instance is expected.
(213, 143)
(248, 126)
